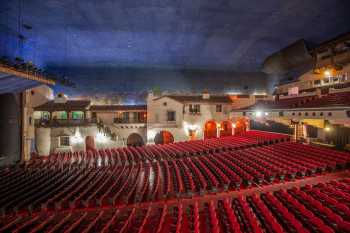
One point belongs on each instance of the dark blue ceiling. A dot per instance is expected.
(127, 37)
(10, 83)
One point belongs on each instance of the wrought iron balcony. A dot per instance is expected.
(64, 122)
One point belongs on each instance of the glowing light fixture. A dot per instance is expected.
(327, 129)
(327, 73)
(266, 113)
(151, 134)
(190, 128)
(233, 125)
(234, 93)
(259, 93)
(258, 113)
(101, 138)
(77, 138)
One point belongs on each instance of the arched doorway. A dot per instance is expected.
(192, 133)
(163, 137)
(210, 130)
(241, 126)
(134, 139)
(90, 143)
(226, 128)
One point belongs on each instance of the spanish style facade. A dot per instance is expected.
(73, 125)
(313, 107)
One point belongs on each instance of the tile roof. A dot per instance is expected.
(199, 99)
(70, 105)
(118, 108)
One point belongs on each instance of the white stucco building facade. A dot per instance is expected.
(187, 117)
(63, 124)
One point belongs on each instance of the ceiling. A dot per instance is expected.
(14, 84)
(126, 37)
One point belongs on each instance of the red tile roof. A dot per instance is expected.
(70, 105)
(199, 99)
(118, 108)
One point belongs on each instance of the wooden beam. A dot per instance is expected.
(21, 74)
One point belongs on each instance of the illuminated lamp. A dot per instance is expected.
(190, 128)
(258, 113)
(266, 113)
(151, 134)
(233, 125)
(327, 73)
(77, 138)
(101, 138)
(327, 129)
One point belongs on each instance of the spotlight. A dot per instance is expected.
(77, 138)
(328, 72)
(190, 128)
(151, 134)
(101, 138)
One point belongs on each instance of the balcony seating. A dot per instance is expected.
(333, 99)
(320, 208)
(327, 100)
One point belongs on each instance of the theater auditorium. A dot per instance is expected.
(175, 116)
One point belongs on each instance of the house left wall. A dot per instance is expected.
(10, 128)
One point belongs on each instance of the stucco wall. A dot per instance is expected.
(47, 138)
(106, 117)
(157, 117)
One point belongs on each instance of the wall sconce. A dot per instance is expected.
(77, 138)
(101, 138)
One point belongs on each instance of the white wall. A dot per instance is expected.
(157, 117)
(106, 117)
(47, 138)
(32, 98)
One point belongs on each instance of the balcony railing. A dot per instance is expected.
(64, 122)
(169, 124)
(129, 121)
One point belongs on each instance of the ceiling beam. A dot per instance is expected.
(12, 82)
(24, 75)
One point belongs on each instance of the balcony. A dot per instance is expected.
(168, 124)
(63, 122)
(341, 58)
(129, 121)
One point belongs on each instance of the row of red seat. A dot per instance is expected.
(117, 156)
(322, 208)
(285, 103)
(332, 99)
(41, 185)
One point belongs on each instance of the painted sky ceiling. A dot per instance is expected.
(125, 42)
